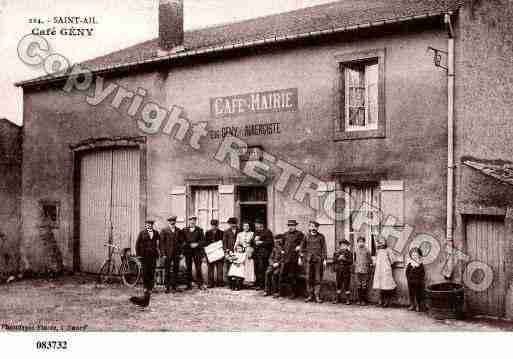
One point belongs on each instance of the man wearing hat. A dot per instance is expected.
(314, 255)
(229, 238)
(264, 244)
(170, 245)
(194, 240)
(215, 269)
(290, 271)
(146, 248)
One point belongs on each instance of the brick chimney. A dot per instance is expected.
(171, 25)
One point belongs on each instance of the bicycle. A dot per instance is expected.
(129, 269)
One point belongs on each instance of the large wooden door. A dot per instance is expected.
(109, 202)
(486, 243)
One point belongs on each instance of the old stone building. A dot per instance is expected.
(334, 106)
(10, 196)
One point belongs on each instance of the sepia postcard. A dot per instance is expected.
(255, 166)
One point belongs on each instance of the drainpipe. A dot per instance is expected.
(450, 138)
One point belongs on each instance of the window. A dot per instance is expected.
(363, 206)
(49, 213)
(205, 205)
(361, 98)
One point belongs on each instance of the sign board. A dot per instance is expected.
(285, 100)
(214, 251)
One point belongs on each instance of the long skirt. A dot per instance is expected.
(249, 271)
(383, 276)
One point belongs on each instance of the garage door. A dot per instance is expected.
(109, 200)
(486, 243)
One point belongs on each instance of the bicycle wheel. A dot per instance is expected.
(131, 271)
(106, 271)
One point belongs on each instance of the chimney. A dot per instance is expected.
(171, 25)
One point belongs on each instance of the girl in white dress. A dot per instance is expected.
(237, 268)
(246, 240)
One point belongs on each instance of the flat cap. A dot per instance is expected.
(315, 223)
(214, 222)
(193, 217)
(345, 242)
(149, 221)
(232, 220)
(172, 219)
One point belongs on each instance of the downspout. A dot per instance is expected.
(450, 141)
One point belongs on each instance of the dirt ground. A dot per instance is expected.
(76, 303)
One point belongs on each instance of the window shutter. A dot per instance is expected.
(179, 205)
(226, 204)
(392, 201)
(327, 224)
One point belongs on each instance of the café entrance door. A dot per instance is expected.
(253, 205)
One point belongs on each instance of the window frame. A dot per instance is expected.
(372, 234)
(343, 59)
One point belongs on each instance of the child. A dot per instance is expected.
(363, 261)
(415, 278)
(272, 275)
(343, 260)
(383, 276)
(237, 269)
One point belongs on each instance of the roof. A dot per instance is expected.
(345, 15)
(502, 171)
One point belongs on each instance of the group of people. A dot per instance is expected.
(266, 262)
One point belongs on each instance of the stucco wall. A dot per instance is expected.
(483, 101)
(413, 150)
(10, 196)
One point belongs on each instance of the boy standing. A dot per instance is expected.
(343, 260)
(415, 277)
(363, 261)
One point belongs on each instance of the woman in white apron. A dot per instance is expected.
(383, 276)
(246, 239)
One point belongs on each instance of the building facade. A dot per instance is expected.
(345, 112)
(10, 196)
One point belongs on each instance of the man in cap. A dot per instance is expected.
(170, 245)
(229, 238)
(194, 240)
(146, 248)
(215, 269)
(264, 244)
(272, 275)
(314, 255)
(290, 271)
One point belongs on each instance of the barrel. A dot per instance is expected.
(445, 300)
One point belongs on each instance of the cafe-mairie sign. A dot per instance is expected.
(285, 100)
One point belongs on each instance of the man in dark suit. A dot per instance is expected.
(264, 243)
(215, 269)
(290, 269)
(314, 255)
(171, 242)
(194, 241)
(146, 248)
(229, 238)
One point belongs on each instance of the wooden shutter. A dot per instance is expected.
(226, 204)
(327, 224)
(179, 205)
(392, 201)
